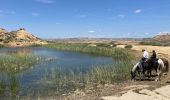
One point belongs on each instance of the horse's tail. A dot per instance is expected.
(166, 64)
(132, 75)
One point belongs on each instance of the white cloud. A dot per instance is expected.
(91, 31)
(138, 11)
(129, 33)
(35, 14)
(46, 1)
(121, 16)
(163, 32)
(146, 33)
(7, 12)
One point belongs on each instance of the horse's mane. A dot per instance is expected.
(149, 61)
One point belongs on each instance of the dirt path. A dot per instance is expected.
(162, 93)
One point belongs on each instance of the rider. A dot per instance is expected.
(145, 57)
(153, 54)
(153, 57)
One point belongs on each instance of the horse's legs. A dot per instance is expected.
(149, 73)
(159, 72)
(143, 73)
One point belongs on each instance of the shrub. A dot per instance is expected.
(155, 43)
(1, 46)
(128, 46)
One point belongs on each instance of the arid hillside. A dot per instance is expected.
(165, 37)
(18, 38)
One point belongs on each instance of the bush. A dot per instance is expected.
(154, 43)
(1, 46)
(103, 45)
(128, 46)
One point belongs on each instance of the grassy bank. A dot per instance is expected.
(155, 43)
(86, 48)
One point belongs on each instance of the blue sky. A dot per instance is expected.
(87, 18)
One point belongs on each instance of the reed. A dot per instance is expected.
(98, 75)
(85, 48)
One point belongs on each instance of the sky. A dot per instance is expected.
(87, 18)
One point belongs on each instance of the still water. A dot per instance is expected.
(38, 79)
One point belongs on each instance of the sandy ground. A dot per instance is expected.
(162, 93)
(160, 50)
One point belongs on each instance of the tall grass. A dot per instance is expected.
(15, 63)
(2, 46)
(155, 43)
(98, 75)
(85, 48)
(70, 81)
(10, 65)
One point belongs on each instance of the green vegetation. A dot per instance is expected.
(128, 46)
(156, 43)
(2, 46)
(10, 65)
(16, 62)
(97, 50)
(2, 87)
(105, 45)
(62, 81)
(98, 75)
(66, 82)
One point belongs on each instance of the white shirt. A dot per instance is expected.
(145, 54)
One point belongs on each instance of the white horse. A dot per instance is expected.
(163, 66)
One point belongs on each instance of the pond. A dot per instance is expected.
(40, 79)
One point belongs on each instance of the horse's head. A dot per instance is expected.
(134, 70)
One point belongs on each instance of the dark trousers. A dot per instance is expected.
(143, 60)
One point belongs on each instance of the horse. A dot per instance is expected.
(161, 67)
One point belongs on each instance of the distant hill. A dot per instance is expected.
(19, 38)
(165, 37)
(159, 40)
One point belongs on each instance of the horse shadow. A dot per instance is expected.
(147, 78)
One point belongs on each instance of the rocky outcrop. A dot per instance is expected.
(19, 38)
(165, 37)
